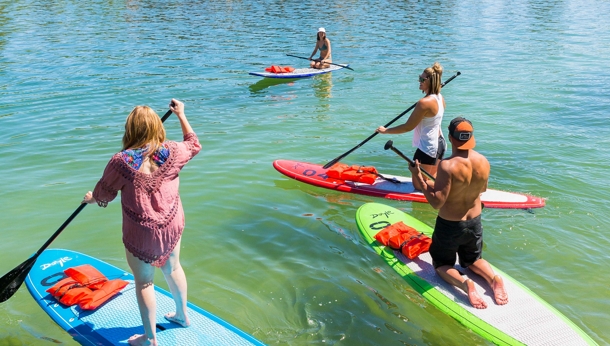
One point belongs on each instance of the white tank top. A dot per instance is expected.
(425, 134)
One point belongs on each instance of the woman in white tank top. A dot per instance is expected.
(425, 122)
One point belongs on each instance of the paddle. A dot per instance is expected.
(326, 62)
(389, 145)
(11, 281)
(338, 158)
(167, 114)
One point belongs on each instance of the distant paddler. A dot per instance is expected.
(323, 45)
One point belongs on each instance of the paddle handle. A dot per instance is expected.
(338, 158)
(451, 78)
(389, 145)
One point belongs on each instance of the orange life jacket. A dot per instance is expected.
(361, 174)
(85, 286)
(74, 295)
(87, 276)
(279, 69)
(407, 239)
(61, 286)
(100, 296)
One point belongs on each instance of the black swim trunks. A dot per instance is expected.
(425, 159)
(462, 237)
(440, 152)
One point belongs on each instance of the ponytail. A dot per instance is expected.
(434, 72)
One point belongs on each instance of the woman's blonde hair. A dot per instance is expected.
(143, 127)
(434, 73)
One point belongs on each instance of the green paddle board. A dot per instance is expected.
(525, 320)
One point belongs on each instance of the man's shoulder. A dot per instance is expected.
(456, 163)
(451, 159)
(447, 164)
(479, 157)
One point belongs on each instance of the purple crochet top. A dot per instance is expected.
(153, 219)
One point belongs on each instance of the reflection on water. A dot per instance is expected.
(267, 82)
(322, 85)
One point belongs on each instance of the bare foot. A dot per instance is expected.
(175, 319)
(474, 297)
(141, 340)
(499, 291)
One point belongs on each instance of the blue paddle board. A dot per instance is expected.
(299, 72)
(119, 318)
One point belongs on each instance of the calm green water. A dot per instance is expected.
(279, 259)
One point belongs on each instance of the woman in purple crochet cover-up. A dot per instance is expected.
(146, 173)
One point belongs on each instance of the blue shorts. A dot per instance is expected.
(464, 238)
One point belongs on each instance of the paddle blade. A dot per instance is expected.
(10, 283)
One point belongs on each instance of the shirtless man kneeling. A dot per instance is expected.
(460, 181)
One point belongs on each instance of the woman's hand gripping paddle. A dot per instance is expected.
(338, 158)
(11, 281)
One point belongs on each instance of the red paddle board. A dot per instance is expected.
(399, 189)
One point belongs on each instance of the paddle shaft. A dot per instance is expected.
(326, 62)
(61, 228)
(410, 161)
(338, 158)
(166, 115)
(11, 281)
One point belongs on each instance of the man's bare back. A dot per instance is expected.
(467, 172)
(460, 181)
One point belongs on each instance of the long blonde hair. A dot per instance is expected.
(143, 127)
(434, 73)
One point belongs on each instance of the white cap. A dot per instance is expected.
(321, 30)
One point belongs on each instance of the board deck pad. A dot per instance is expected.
(299, 72)
(401, 188)
(526, 319)
(119, 318)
